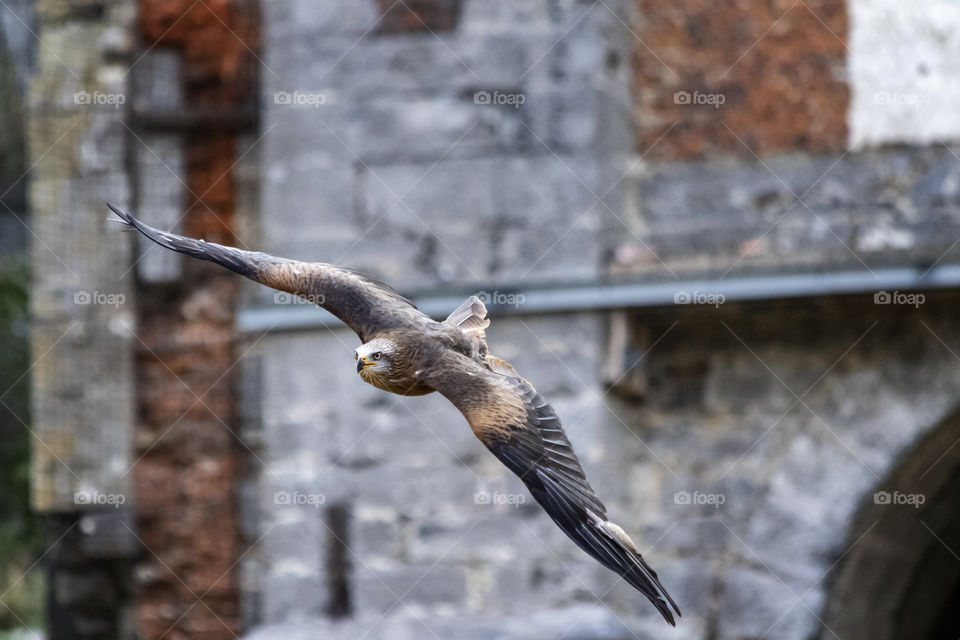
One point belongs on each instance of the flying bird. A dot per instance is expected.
(406, 352)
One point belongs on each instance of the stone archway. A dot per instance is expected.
(902, 577)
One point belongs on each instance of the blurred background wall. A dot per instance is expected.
(721, 240)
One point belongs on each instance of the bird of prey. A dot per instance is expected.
(406, 352)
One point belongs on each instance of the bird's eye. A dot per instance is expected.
(376, 355)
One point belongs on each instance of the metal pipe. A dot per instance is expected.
(606, 295)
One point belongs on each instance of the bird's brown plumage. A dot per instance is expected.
(451, 357)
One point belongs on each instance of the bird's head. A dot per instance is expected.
(376, 359)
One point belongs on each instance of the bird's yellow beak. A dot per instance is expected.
(361, 363)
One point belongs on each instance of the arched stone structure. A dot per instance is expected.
(901, 579)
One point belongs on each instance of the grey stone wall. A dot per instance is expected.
(857, 210)
(405, 171)
(404, 154)
(784, 419)
(736, 443)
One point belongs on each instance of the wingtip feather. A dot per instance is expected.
(153, 234)
(125, 217)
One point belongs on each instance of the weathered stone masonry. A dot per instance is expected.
(763, 184)
(794, 411)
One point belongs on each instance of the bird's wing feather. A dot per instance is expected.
(363, 303)
(524, 432)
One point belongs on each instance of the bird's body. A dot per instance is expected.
(407, 353)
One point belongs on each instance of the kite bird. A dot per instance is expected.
(406, 352)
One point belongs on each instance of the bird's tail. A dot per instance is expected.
(471, 318)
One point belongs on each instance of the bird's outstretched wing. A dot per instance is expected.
(523, 431)
(363, 303)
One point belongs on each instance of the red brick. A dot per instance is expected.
(186, 507)
(780, 66)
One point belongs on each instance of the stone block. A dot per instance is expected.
(756, 603)
(418, 586)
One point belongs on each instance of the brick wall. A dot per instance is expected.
(731, 77)
(189, 458)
